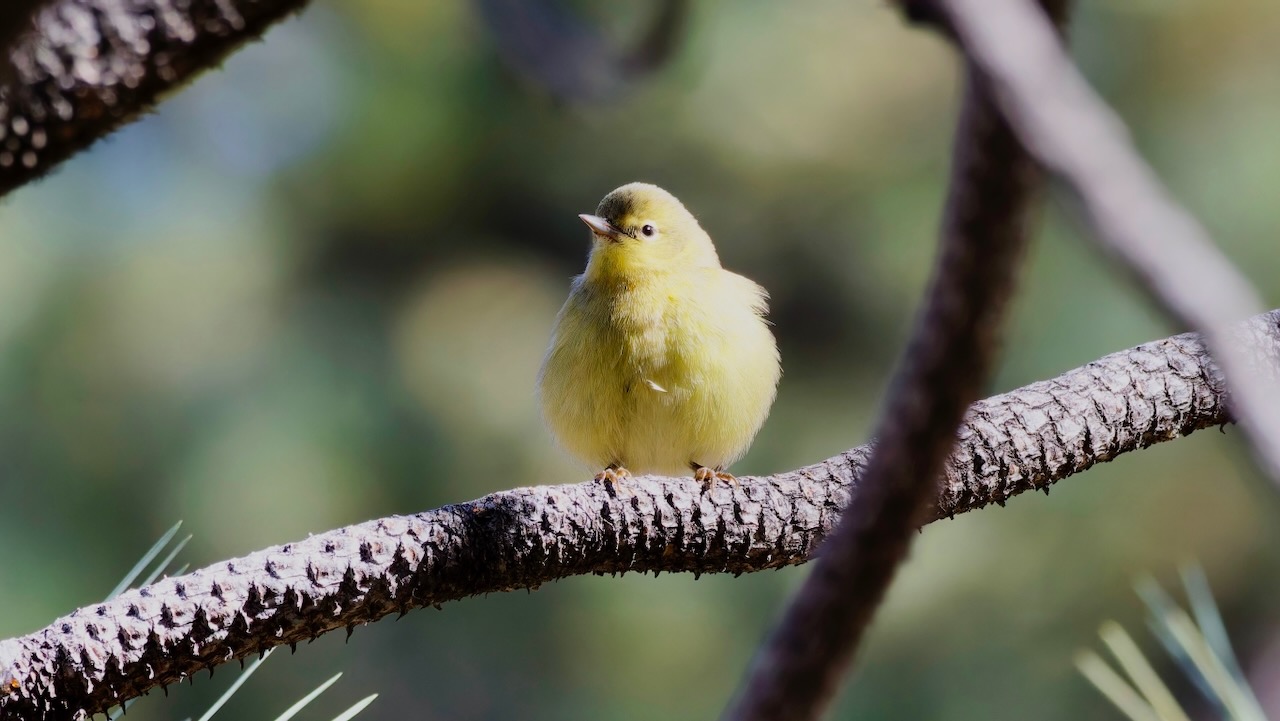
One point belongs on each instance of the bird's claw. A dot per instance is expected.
(613, 475)
(708, 476)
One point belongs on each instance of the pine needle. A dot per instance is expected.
(1111, 685)
(294, 709)
(142, 562)
(1135, 664)
(235, 686)
(357, 708)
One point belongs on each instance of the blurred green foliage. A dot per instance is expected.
(1197, 641)
(314, 289)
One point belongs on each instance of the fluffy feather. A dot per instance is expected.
(661, 360)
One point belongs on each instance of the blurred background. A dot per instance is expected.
(315, 286)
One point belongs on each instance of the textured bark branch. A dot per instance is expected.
(15, 21)
(1073, 133)
(1023, 440)
(952, 350)
(93, 65)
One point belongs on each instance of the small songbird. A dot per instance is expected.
(661, 361)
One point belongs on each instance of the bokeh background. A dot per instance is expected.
(315, 286)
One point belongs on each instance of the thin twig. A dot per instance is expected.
(1073, 133)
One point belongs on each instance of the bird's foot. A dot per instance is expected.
(708, 476)
(613, 475)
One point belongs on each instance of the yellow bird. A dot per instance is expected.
(661, 361)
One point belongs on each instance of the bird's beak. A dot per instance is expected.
(601, 227)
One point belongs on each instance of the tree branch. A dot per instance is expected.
(15, 21)
(101, 655)
(949, 357)
(571, 59)
(1073, 133)
(93, 65)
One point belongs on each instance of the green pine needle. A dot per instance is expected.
(1139, 670)
(1115, 688)
(159, 568)
(360, 706)
(155, 573)
(294, 709)
(235, 686)
(1209, 619)
(1198, 644)
(142, 562)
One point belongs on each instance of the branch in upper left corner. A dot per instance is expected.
(90, 66)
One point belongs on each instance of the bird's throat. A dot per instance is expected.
(613, 263)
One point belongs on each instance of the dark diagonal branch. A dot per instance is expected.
(15, 22)
(1015, 442)
(572, 59)
(92, 65)
(952, 350)
(1073, 133)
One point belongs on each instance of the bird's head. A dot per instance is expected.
(641, 228)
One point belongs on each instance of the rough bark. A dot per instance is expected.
(15, 22)
(1023, 440)
(1077, 137)
(93, 65)
(984, 232)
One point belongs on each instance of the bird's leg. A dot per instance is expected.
(708, 476)
(614, 473)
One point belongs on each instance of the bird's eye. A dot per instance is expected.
(649, 230)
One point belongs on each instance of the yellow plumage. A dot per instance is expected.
(661, 360)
